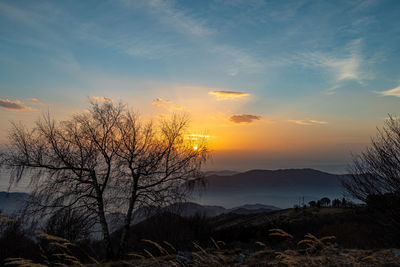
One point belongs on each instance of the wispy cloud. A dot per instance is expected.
(307, 122)
(345, 65)
(177, 107)
(391, 92)
(344, 68)
(180, 20)
(13, 105)
(223, 95)
(165, 104)
(244, 118)
(159, 99)
(239, 60)
(331, 90)
(160, 102)
(101, 98)
(195, 137)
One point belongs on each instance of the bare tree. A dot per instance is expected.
(376, 171)
(69, 224)
(325, 201)
(159, 166)
(104, 161)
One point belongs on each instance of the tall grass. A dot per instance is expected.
(309, 251)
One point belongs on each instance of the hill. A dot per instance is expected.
(12, 202)
(281, 188)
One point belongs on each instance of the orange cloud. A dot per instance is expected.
(102, 98)
(13, 105)
(227, 94)
(158, 104)
(307, 122)
(159, 99)
(197, 136)
(244, 118)
(177, 107)
(165, 104)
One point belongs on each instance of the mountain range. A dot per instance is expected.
(229, 191)
(282, 188)
(11, 203)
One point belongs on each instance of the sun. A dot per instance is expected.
(195, 147)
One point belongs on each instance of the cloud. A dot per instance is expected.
(13, 105)
(101, 98)
(238, 60)
(177, 107)
(391, 92)
(344, 68)
(331, 90)
(159, 99)
(222, 95)
(307, 122)
(165, 104)
(160, 102)
(34, 101)
(345, 65)
(244, 118)
(179, 19)
(196, 137)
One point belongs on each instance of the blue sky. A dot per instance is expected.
(317, 77)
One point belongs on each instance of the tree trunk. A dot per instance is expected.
(127, 224)
(104, 228)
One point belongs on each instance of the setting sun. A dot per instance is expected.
(194, 147)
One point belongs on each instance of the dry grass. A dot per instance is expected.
(61, 254)
(311, 251)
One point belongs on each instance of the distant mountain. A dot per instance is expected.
(221, 173)
(274, 178)
(282, 188)
(188, 209)
(10, 203)
(252, 208)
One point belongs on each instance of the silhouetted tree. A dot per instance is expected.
(15, 240)
(375, 178)
(344, 203)
(105, 160)
(376, 170)
(157, 167)
(336, 203)
(312, 204)
(69, 224)
(325, 201)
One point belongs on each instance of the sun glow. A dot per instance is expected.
(195, 147)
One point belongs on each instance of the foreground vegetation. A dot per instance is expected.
(310, 251)
(311, 237)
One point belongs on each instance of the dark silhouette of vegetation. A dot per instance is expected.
(102, 161)
(375, 178)
(15, 241)
(376, 170)
(325, 201)
(69, 224)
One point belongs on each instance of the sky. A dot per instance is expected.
(274, 84)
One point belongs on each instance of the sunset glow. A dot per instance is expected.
(286, 93)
